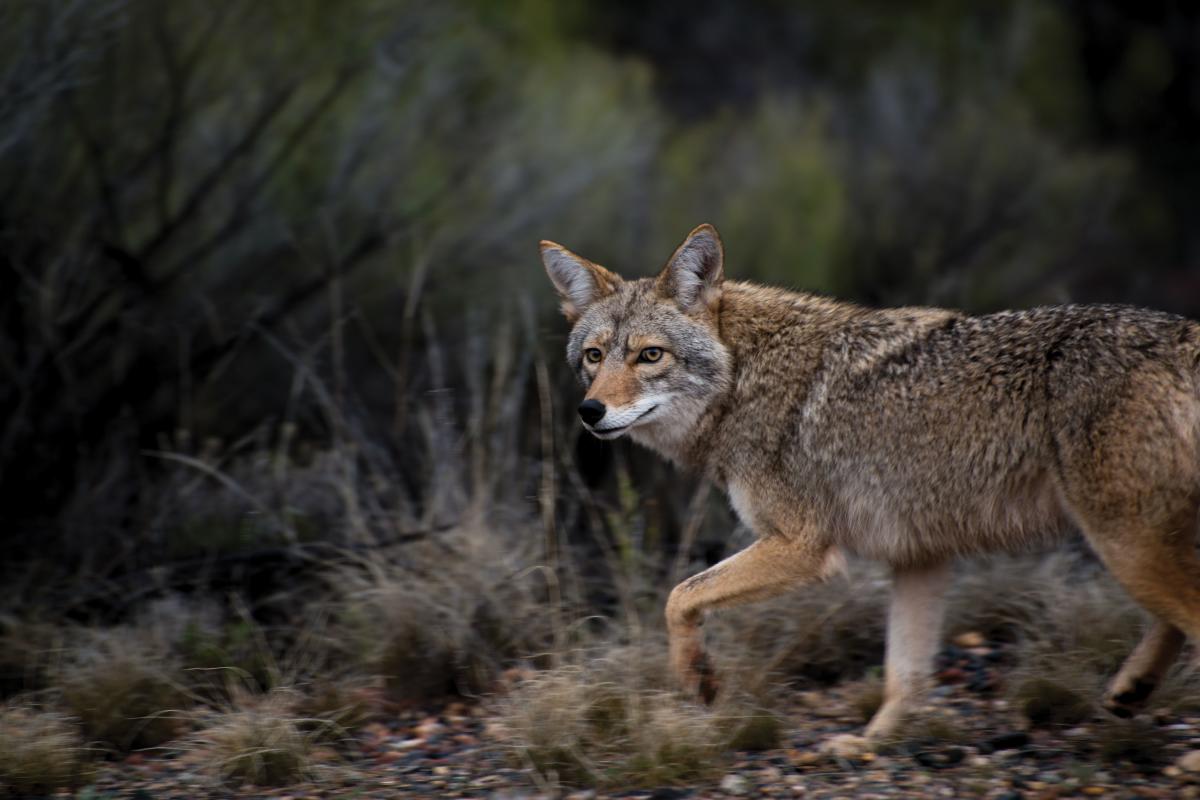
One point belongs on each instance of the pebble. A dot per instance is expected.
(970, 639)
(1189, 762)
(1004, 741)
(734, 784)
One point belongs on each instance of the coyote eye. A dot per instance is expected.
(650, 355)
(593, 355)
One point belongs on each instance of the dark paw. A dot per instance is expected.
(1120, 712)
(708, 686)
(1126, 704)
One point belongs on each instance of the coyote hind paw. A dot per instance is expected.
(1125, 704)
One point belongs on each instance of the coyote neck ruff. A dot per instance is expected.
(909, 436)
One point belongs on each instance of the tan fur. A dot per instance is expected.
(911, 436)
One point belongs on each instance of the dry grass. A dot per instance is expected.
(448, 614)
(40, 751)
(1135, 741)
(866, 696)
(258, 740)
(1081, 629)
(823, 633)
(28, 652)
(126, 693)
(447, 619)
(609, 720)
(332, 710)
(834, 631)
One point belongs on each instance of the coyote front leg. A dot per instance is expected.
(914, 629)
(768, 567)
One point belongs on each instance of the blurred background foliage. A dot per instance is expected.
(287, 250)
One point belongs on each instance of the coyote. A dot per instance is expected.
(909, 436)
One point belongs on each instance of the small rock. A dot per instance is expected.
(846, 745)
(970, 639)
(429, 726)
(1189, 762)
(734, 784)
(808, 758)
(951, 675)
(1005, 741)
(407, 744)
(940, 759)
(1094, 791)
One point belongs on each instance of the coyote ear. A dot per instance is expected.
(579, 282)
(694, 274)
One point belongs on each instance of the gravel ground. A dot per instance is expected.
(982, 748)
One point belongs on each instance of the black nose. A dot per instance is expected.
(591, 411)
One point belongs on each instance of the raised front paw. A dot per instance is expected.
(695, 673)
(706, 683)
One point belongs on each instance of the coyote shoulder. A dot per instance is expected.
(909, 436)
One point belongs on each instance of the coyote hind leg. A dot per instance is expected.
(1156, 562)
(1130, 477)
(1144, 669)
(767, 568)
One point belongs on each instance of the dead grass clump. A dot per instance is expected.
(1001, 597)
(330, 710)
(40, 751)
(1049, 702)
(866, 697)
(259, 741)
(610, 721)
(236, 654)
(823, 633)
(27, 654)
(758, 730)
(447, 619)
(1180, 690)
(1136, 742)
(124, 692)
(1083, 631)
(575, 731)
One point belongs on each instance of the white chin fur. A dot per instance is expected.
(606, 435)
(619, 421)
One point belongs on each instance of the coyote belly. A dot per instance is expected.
(910, 436)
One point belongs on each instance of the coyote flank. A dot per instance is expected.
(909, 435)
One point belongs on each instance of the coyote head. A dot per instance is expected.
(648, 351)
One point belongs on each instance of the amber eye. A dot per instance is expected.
(650, 355)
(593, 355)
